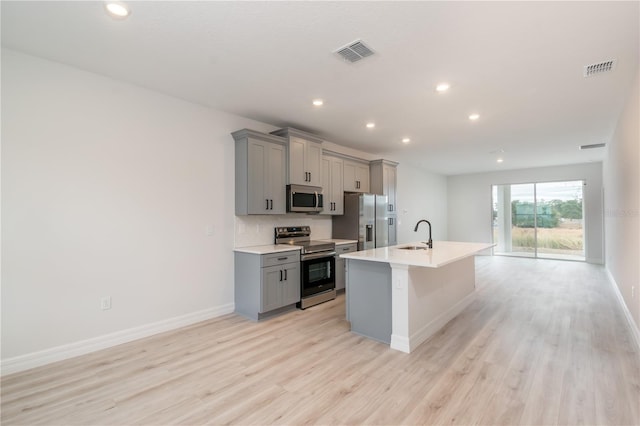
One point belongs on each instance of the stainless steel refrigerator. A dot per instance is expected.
(367, 219)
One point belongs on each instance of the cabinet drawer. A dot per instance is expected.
(280, 258)
(346, 248)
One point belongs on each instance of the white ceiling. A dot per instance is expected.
(518, 64)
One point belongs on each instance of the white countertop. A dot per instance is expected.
(267, 249)
(442, 253)
(339, 242)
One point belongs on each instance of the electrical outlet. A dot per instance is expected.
(208, 231)
(105, 303)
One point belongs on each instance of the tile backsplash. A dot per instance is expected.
(259, 230)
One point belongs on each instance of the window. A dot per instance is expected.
(544, 220)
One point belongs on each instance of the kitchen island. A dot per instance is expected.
(402, 295)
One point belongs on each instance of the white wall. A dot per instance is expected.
(470, 202)
(621, 172)
(421, 195)
(107, 190)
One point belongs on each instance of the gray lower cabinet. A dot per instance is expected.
(266, 284)
(340, 263)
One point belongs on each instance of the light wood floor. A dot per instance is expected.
(544, 343)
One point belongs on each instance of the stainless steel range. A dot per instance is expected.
(317, 264)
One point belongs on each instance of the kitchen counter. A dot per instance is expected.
(267, 249)
(402, 297)
(442, 253)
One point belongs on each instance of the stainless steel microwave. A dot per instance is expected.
(304, 199)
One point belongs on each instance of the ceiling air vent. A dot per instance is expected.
(602, 67)
(354, 51)
(592, 146)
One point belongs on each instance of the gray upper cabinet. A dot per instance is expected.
(356, 176)
(260, 173)
(384, 181)
(332, 175)
(304, 156)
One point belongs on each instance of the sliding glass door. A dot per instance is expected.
(542, 220)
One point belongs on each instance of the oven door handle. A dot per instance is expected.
(313, 256)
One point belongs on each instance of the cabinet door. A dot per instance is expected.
(257, 200)
(271, 288)
(313, 163)
(276, 177)
(337, 194)
(340, 275)
(349, 175)
(290, 287)
(393, 230)
(362, 176)
(389, 186)
(297, 172)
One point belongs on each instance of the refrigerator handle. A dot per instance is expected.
(369, 236)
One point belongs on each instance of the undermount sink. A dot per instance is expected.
(412, 248)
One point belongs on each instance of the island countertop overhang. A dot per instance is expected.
(442, 253)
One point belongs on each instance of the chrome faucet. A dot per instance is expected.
(430, 242)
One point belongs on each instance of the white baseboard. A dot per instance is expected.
(400, 343)
(431, 328)
(59, 353)
(635, 332)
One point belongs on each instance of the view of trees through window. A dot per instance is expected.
(539, 220)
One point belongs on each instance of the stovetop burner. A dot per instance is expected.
(301, 236)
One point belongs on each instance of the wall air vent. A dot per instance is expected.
(593, 145)
(600, 68)
(354, 51)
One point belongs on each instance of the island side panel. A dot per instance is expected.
(369, 299)
(437, 295)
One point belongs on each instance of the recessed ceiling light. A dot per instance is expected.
(318, 102)
(406, 140)
(442, 87)
(371, 125)
(117, 9)
(474, 117)
(500, 160)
